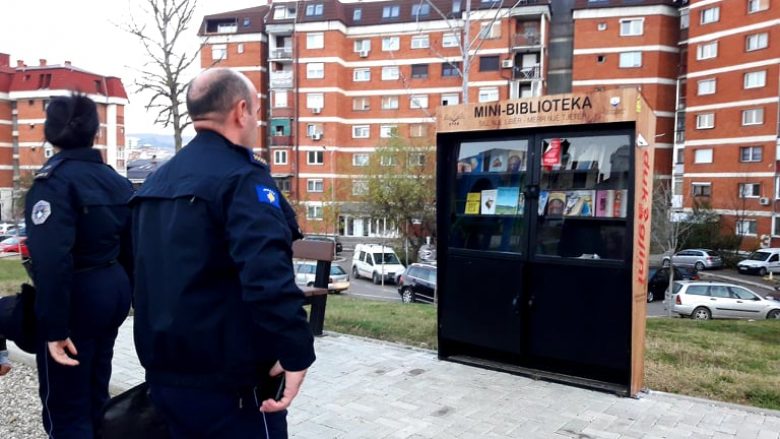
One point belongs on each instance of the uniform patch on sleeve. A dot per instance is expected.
(40, 212)
(267, 195)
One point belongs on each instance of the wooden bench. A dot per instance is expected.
(317, 295)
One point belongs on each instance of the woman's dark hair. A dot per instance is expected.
(71, 122)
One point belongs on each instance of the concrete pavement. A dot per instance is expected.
(365, 389)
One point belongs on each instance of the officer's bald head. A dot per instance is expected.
(213, 93)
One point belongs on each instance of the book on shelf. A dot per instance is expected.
(516, 161)
(611, 203)
(470, 164)
(472, 203)
(543, 196)
(579, 203)
(497, 160)
(507, 200)
(556, 203)
(488, 202)
(621, 203)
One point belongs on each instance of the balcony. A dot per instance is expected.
(527, 39)
(281, 140)
(280, 54)
(530, 8)
(281, 79)
(677, 201)
(526, 73)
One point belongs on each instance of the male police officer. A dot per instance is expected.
(217, 311)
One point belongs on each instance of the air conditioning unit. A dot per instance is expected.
(363, 53)
(316, 136)
(507, 63)
(764, 201)
(316, 110)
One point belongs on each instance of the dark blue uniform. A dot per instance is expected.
(78, 235)
(215, 297)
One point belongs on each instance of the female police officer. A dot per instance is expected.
(78, 236)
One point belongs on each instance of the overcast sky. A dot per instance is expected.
(84, 32)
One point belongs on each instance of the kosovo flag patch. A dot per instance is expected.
(267, 195)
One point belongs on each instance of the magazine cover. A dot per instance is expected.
(521, 204)
(556, 203)
(498, 160)
(543, 196)
(620, 206)
(579, 203)
(488, 206)
(516, 161)
(470, 164)
(472, 203)
(604, 200)
(506, 200)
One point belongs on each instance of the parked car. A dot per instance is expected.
(418, 283)
(761, 262)
(334, 239)
(658, 280)
(15, 244)
(305, 272)
(717, 300)
(375, 262)
(701, 258)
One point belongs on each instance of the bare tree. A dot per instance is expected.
(163, 75)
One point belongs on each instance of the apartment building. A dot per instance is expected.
(24, 93)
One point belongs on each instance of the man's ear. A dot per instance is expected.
(239, 110)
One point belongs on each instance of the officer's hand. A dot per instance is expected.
(4, 369)
(293, 381)
(57, 350)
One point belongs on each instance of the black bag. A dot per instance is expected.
(17, 318)
(132, 415)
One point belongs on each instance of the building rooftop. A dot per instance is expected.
(242, 21)
(592, 4)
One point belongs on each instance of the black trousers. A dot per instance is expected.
(74, 397)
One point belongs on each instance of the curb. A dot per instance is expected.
(711, 402)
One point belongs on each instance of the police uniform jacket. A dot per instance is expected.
(215, 296)
(77, 219)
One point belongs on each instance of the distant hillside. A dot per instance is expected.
(159, 140)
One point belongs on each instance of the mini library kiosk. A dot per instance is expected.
(543, 236)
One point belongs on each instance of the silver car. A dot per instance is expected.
(305, 272)
(700, 258)
(716, 300)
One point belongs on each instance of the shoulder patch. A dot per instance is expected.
(47, 170)
(40, 212)
(267, 195)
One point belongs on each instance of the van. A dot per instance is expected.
(761, 262)
(376, 262)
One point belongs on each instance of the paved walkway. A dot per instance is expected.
(364, 389)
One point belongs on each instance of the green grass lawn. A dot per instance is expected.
(12, 274)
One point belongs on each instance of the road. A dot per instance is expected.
(364, 288)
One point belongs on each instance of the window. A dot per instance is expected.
(387, 131)
(757, 5)
(315, 40)
(450, 98)
(707, 50)
(280, 157)
(390, 102)
(456, 6)
(420, 41)
(240, 48)
(710, 15)
(416, 159)
(488, 63)
(450, 69)
(630, 60)
(284, 12)
(701, 189)
(315, 70)
(218, 52)
(315, 100)
(420, 10)
(361, 103)
(361, 132)
(418, 101)
(756, 42)
(755, 79)
(314, 185)
(359, 187)
(450, 40)
(314, 128)
(418, 130)
(601, 59)
(747, 227)
(702, 156)
(685, 19)
(280, 99)
(754, 116)
(359, 159)
(387, 160)
(362, 45)
(391, 11)
(357, 14)
(314, 212)
(490, 30)
(751, 154)
(488, 94)
(284, 184)
(632, 27)
(705, 121)
(749, 190)
(315, 157)
(419, 71)
(390, 73)
(314, 10)
(707, 86)
(390, 44)
(776, 226)
(361, 75)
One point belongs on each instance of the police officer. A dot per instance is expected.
(217, 311)
(78, 235)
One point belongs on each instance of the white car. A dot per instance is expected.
(716, 300)
(375, 262)
(306, 271)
